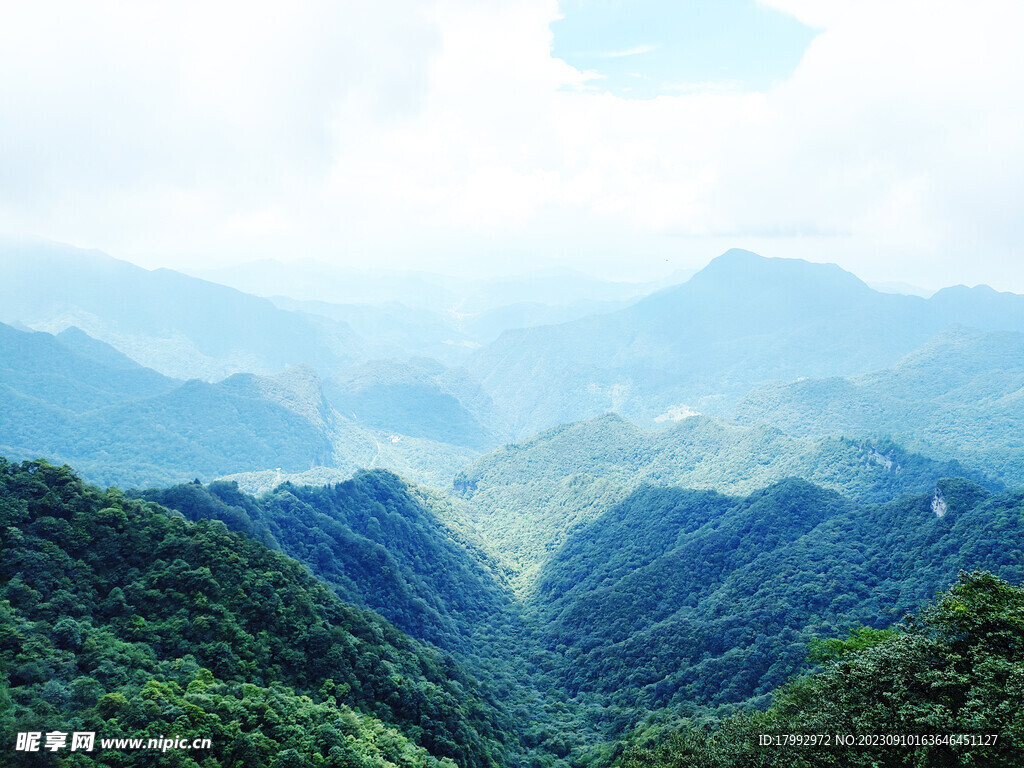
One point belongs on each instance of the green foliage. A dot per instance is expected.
(375, 541)
(959, 396)
(111, 608)
(693, 600)
(529, 498)
(952, 674)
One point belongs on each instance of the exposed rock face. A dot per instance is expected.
(938, 504)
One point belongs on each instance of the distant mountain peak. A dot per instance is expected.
(737, 264)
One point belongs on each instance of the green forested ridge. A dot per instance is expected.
(673, 603)
(674, 599)
(529, 497)
(955, 670)
(117, 615)
(689, 598)
(374, 540)
(407, 554)
(961, 395)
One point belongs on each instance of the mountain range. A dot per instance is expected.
(541, 522)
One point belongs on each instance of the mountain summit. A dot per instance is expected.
(741, 321)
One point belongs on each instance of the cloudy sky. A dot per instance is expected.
(626, 138)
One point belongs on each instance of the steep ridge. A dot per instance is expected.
(528, 498)
(378, 542)
(119, 616)
(686, 599)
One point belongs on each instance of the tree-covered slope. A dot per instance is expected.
(686, 598)
(528, 498)
(942, 689)
(960, 395)
(375, 540)
(120, 617)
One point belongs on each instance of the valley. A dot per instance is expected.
(641, 526)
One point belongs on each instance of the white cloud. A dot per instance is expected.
(443, 129)
(636, 50)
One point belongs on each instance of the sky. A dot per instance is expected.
(627, 139)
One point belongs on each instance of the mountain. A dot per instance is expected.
(960, 395)
(126, 424)
(529, 498)
(741, 321)
(686, 598)
(378, 542)
(72, 371)
(449, 335)
(418, 398)
(135, 621)
(397, 329)
(74, 399)
(939, 680)
(178, 325)
(309, 280)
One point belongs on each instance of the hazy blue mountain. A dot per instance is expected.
(73, 399)
(742, 321)
(554, 287)
(528, 498)
(485, 327)
(450, 336)
(72, 372)
(408, 398)
(960, 395)
(396, 330)
(316, 281)
(167, 321)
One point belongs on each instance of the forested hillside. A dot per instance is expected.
(943, 688)
(375, 540)
(121, 618)
(689, 598)
(530, 497)
(961, 395)
(672, 603)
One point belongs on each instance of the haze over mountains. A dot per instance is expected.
(741, 321)
(726, 343)
(609, 506)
